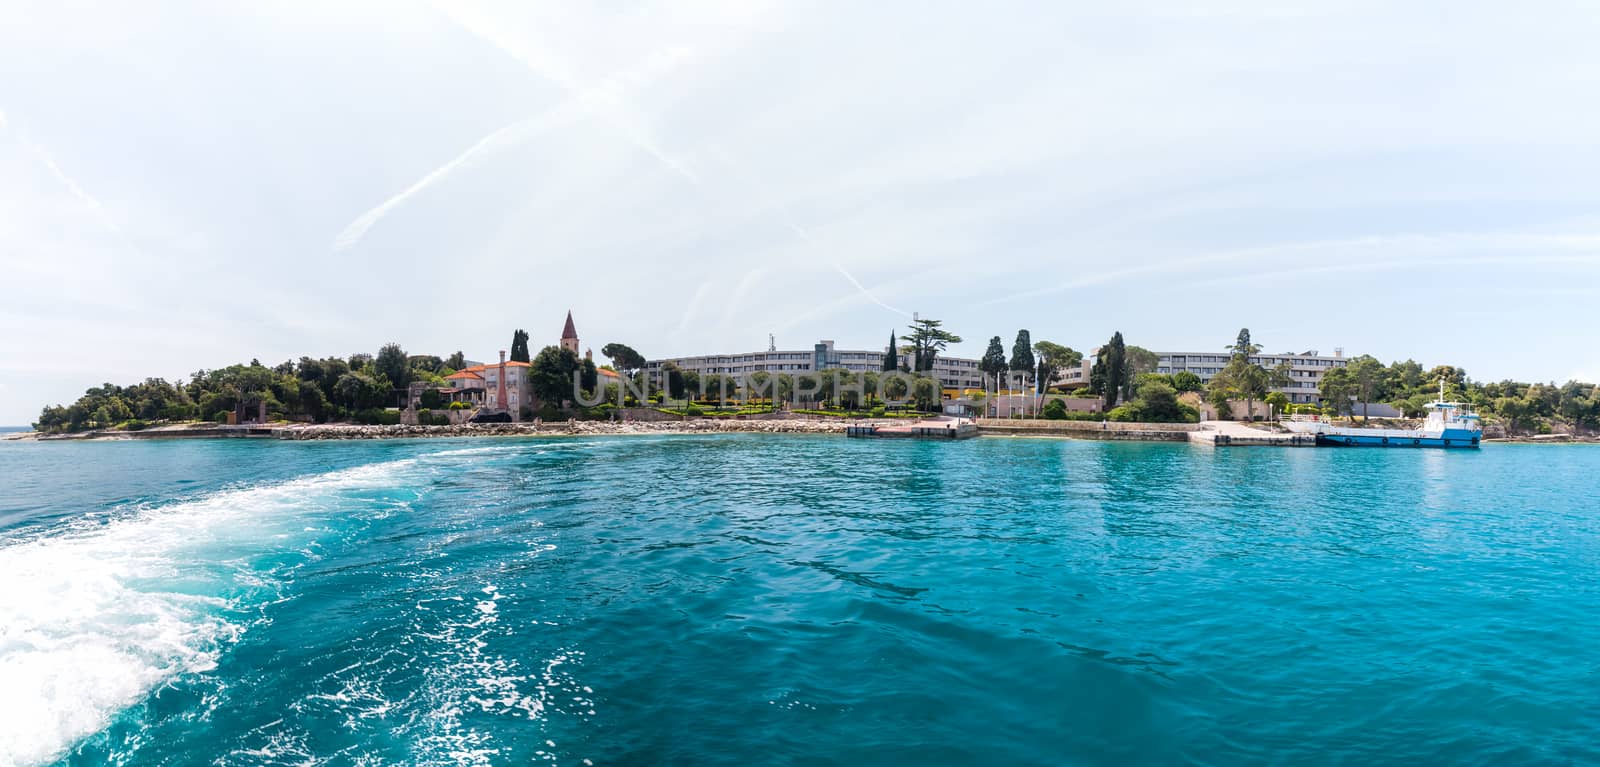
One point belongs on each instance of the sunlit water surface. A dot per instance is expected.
(743, 599)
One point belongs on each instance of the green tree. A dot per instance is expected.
(925, 341)
(359, 391)
(1053, 358)
(1577, 404)
(393, 364)
(456, 361)
(1114, 362)
(1137, 361)
(588, 375)
(1408, 377)
(1240, 380)
(551, 375)
(671, 380)
(519, 346)
(829, 383)
(1370, 379)
(891, 357)
(1243, 377)
(1155, 401)
(1338, 389)
(1453, 376)
(1414, 406)
(1185, 381)
(1515, 412)
(310, 369)
(926, 393)
(626, 360)
(1243, 346)
(993, 363)
(1022, 355)
(333, 368)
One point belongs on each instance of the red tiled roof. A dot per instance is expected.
(491, 366)
(609, 373)
(464, 374)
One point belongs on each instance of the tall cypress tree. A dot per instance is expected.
(993, 363)
(1022, 353)
(519, 346)
(1115, 369)
(891, 358)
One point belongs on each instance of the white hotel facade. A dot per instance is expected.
(952, 372)
(1305, 369)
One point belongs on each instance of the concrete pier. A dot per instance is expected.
(933, 428)
(1232, 434)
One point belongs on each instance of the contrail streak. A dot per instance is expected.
(71, 184)
(580, 102)
(806, 237)
(1273, 251)
(358, 228)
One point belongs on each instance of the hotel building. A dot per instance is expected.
(952, 372)
(1305, 369)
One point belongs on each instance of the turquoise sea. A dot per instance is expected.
(745, 599)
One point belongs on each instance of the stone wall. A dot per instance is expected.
(1110, 430)
(1024, 424)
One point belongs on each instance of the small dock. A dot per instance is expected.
(1230, 434)
(936, 428)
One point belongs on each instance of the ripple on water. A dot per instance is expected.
(739, 599)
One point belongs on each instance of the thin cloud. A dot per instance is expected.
(608, 98)
(581, 102)
(71, 184)
(1277, 252)
(358, 228)
(635, 130)
(1372, 267)
(806, 237)
(801, 232)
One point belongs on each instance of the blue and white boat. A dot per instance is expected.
(1448, 425)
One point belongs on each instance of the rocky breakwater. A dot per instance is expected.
(564, 428)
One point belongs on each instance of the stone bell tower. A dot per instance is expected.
(569, 335)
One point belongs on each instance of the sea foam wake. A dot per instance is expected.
(95, 616)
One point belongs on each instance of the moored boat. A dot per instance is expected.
(1448, 425)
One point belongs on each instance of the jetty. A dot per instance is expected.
(931, 428)
(1096, 430)
(1234, 434)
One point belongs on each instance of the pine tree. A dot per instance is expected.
(926, 340)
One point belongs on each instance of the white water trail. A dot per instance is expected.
(97, 615)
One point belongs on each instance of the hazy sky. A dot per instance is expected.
(185, 185)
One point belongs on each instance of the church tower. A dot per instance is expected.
(569, 335)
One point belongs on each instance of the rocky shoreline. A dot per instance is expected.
(569, 428)
(348, 431)
(337, 431)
